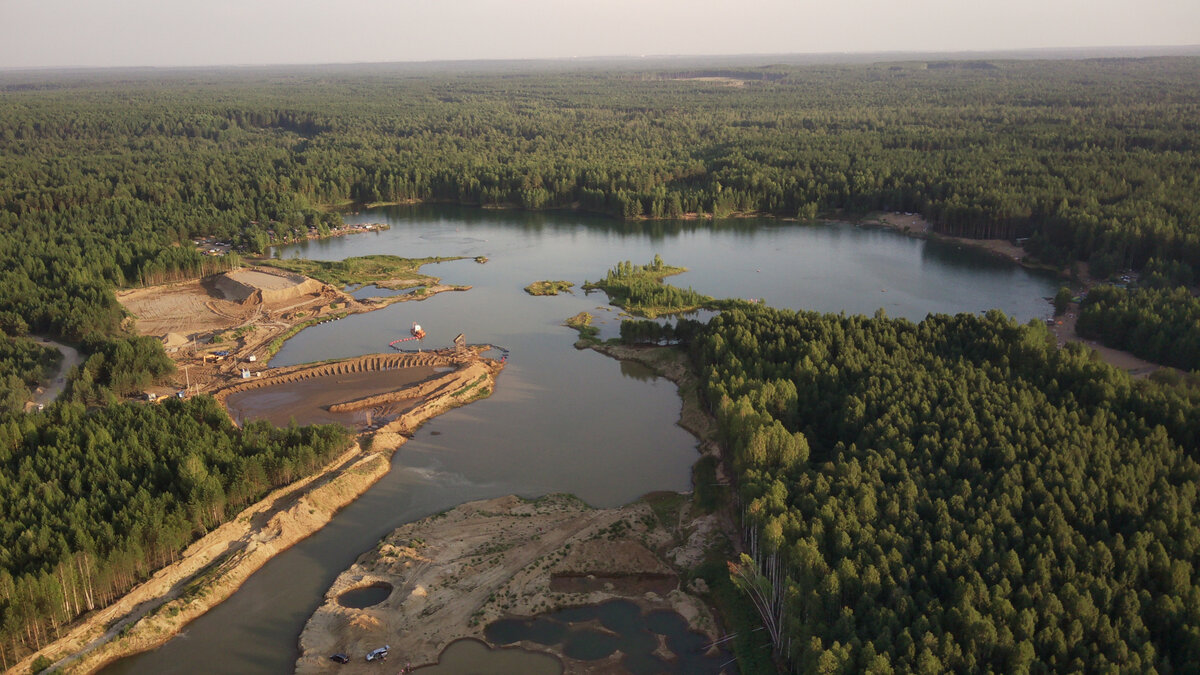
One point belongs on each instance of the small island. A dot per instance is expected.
(549, 287)
(588, 334)
(384, 271)
(639, 290)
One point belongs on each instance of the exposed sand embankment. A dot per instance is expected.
(453, 573)
(212, 568)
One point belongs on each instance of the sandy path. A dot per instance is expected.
(58, 382)
(1065, 332)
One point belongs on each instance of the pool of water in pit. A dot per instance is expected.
(659, 641)
(365, 596)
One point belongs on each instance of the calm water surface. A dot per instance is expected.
(560, 420)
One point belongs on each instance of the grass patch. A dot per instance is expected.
(588, 334)
(381, 270)
(466, 389)
(666, 506)
(277, 343)
(549, 287)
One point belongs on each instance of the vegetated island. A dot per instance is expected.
(639, 290)
(549, 287)
(582, 323)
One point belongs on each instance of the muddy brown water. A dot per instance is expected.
(560, 420)
(308, 401)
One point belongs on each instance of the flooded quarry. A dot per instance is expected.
(361, 394)
(557, 421)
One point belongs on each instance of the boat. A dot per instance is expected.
(415, 333)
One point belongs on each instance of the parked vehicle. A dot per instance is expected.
(340, 658)
(379, 654)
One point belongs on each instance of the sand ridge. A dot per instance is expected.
(455, 572)
(213, 567)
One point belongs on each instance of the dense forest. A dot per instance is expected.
(23, 364)
(957, 495)
(1158, 324)
(105, 178)
(95, 502)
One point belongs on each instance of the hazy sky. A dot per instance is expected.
(36, 33)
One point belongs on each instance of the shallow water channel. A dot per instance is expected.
(560, 420)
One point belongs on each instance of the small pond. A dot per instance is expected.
(365, 596)
(648, 642)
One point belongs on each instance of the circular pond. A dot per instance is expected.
(365, 596)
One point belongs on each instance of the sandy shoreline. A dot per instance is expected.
(915, 225)
(451, 574)
(1064, 326)
(215, 566)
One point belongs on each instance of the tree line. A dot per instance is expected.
(957, 495)
(104, 181)
(1161, 325)
(94, 502)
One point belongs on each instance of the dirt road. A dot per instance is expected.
(57, 382)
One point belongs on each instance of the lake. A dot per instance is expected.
(560, 420)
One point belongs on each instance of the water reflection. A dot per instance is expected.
(637, 371)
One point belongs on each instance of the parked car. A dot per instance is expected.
(379, 654)
(340, 658)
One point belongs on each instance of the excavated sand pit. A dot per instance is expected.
(271, 286)
(220, 302)
(365, 596)
(309, 401)
(493, 562)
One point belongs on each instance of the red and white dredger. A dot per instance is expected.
(417, 333)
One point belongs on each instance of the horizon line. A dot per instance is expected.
(1176, 50)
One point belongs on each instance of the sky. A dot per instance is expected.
(103, 33)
